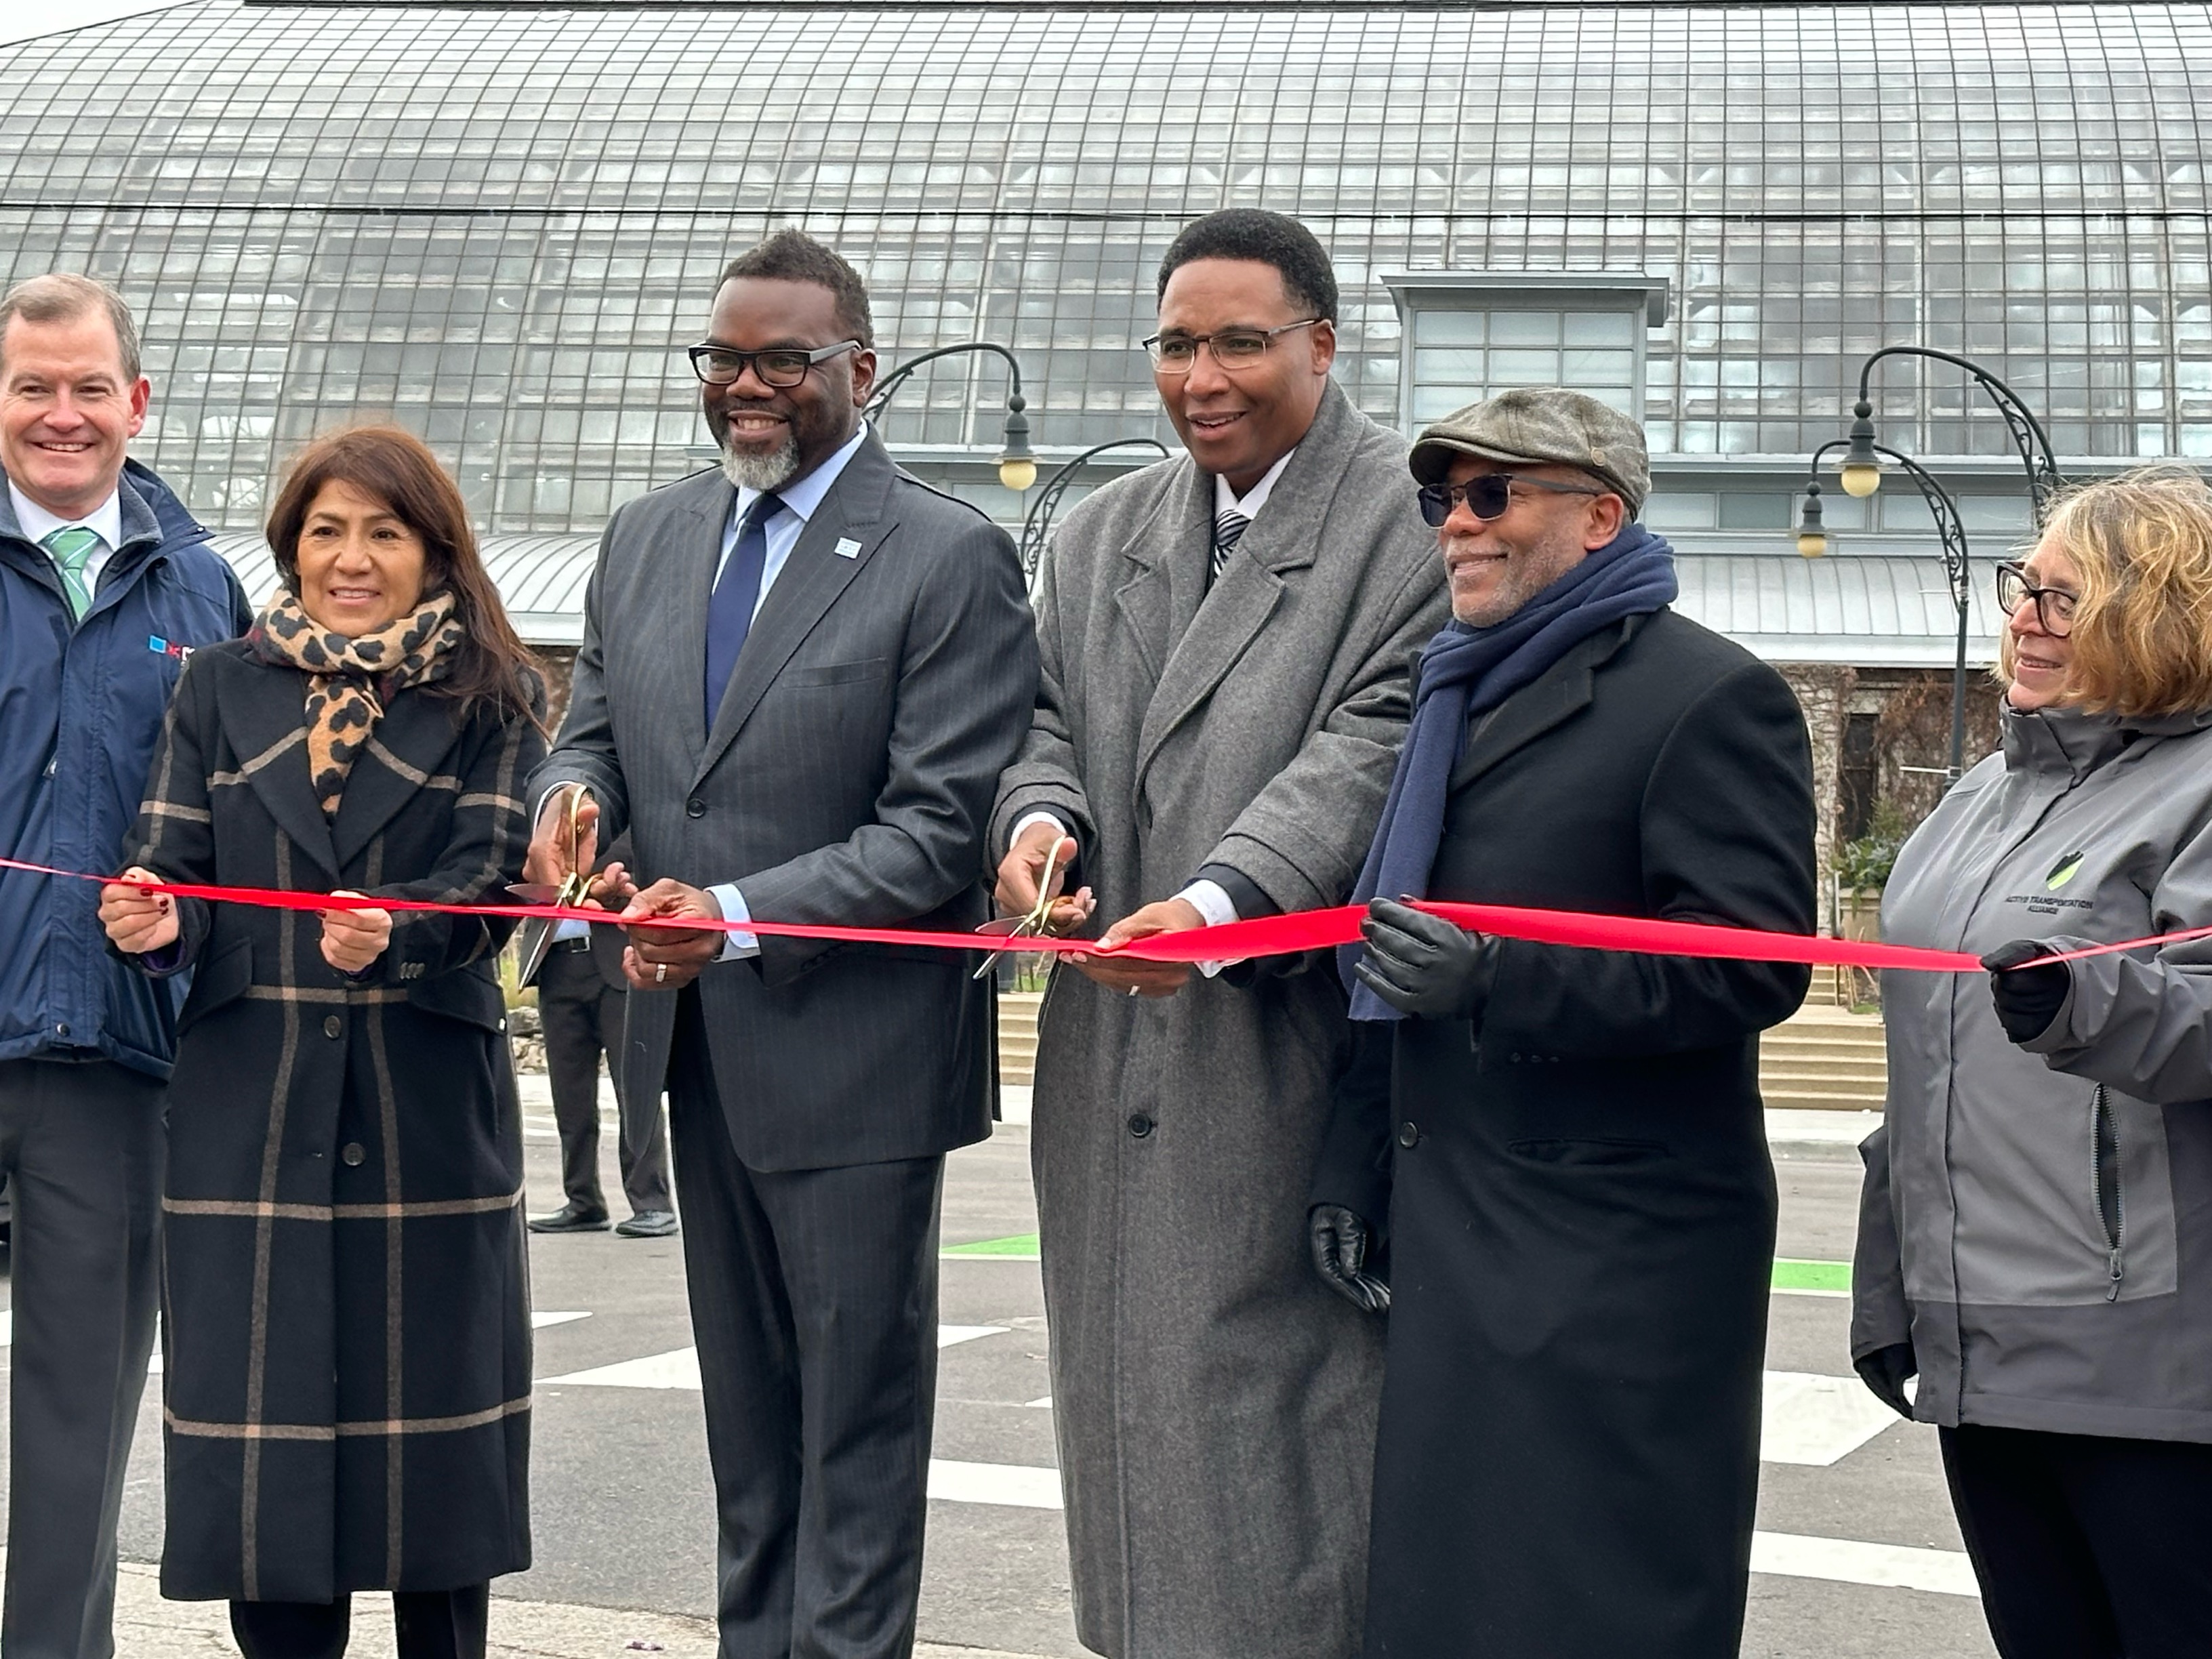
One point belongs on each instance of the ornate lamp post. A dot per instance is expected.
(1813, 543)
(1861, 469)
(1036, 523)
(1017, 465)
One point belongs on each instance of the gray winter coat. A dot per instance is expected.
(2037, 1221)
(1215, 1402)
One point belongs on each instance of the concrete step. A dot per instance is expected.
(1778, 1100)
(1821, 1083)
(1846, 1063)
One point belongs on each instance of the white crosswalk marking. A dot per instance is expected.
(679, 1369)
(994, 1483)
(1839, 1560)
(1819, 1420)
(1846, 1560)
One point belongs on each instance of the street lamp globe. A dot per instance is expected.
(1862, 474)
(1017, 466)
(1811, 534)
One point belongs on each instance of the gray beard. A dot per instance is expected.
(763, 472)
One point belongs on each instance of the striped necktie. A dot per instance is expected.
(71, 546)
(1229, 528)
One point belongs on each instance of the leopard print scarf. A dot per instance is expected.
(348, 680)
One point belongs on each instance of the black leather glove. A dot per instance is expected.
(1422, 965)
(1340, 1240)
(2028, 999)
(1885, 1371)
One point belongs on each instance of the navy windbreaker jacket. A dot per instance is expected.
(79, 709)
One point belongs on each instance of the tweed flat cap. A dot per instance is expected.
(1542, 425)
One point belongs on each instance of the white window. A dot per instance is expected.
(1471, 335)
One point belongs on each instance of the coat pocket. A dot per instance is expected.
(835, 673)
(464, 995)
(218, 980)
(1589, 1154)
(2104, 1187)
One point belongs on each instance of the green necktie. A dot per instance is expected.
(71, 546)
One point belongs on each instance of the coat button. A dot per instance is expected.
(354, 1153)
(1409, 1135)
(1140, 1125)
(332, 1025)
(695, 808)
(61, 1029)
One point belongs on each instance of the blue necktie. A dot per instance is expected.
(730, 610)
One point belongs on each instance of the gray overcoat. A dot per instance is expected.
(1215, 1402)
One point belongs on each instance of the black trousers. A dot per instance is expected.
(814, 1304)
(2087, 1548)
(582, 1018)
(83, 1147)
(430, 1624)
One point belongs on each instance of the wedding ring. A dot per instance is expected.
(660, 973)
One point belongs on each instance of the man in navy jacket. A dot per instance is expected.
(106, 584)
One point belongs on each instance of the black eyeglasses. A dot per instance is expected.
(2054, 606)
(1232, 348)
(782, 367)
(1487, 496)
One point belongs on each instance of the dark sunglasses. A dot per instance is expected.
(1487, 496)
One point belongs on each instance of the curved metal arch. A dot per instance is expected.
(1036, 523)
(2044, 481)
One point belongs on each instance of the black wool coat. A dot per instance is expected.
(1581, 1208)
(346, 1320)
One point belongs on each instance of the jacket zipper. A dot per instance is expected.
(2104, 1184)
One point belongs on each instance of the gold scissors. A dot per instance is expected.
(1024, 926)
(574, 888)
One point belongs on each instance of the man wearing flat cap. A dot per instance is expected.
(1581, 1209)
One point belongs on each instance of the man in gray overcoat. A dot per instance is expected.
(1225, 642)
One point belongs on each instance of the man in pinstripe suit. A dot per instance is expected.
(799, 680)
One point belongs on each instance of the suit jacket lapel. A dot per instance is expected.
(1160, 590)
(1556, 695)
(268, 733)
(1285, 537)
(404, 753)
(809, 584)
(689, 579)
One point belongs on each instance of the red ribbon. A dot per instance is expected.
(1264, 936)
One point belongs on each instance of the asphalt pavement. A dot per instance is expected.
(1858, 1556)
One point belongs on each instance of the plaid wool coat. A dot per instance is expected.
(346, 1308)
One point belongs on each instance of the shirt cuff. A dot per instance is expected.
(735, 946)
(1212, 901)
(1038, 816)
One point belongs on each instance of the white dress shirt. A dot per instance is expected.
(105, 521)
(1209, 898)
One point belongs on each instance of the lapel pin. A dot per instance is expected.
(847, 548)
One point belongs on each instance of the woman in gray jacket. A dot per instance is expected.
(2035, 1241)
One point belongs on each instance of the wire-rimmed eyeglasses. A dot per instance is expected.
(1232, 348)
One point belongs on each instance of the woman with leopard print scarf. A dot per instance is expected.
(348, 1328)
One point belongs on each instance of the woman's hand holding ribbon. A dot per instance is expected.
(353, 939)
(137, 920)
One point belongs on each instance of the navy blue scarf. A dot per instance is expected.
(1467, 670)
